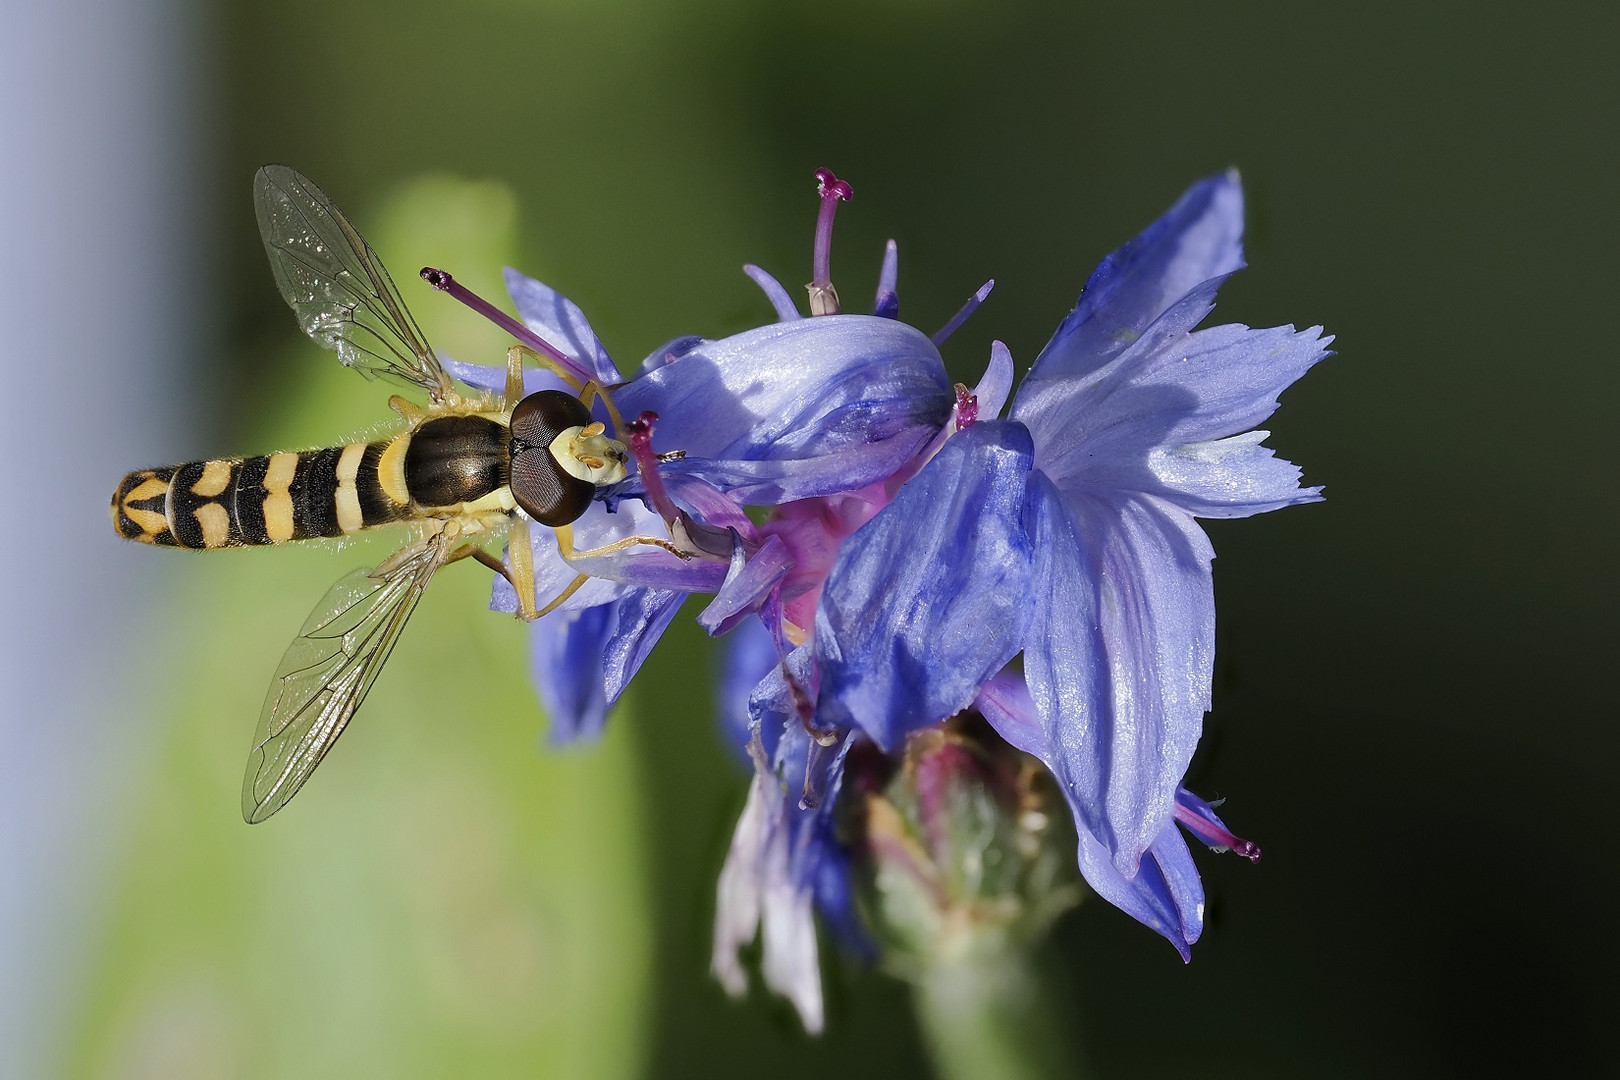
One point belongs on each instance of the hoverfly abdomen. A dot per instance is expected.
(453, 460)
(140, 507)
(228, 502)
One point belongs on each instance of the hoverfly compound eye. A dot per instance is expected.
(560, 456)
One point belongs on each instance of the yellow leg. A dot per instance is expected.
(514, 376)
(522, 575)
(557, 601)
(588, 391)
(516, 354)
(565, 545)
(593, 390)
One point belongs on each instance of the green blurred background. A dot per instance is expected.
(1410, 713)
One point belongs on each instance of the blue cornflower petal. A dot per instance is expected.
(669, 352)
(749, 656)
(565, 652)
(563, 326)
(1228, 478)
(786, 310)
(583, 660)
(996, 382)
(886, 305)
(1146, 421)
(797, 409)
(748, 580)
(929, 599)
(785, 862)
(1165, 894)
(1119, 654)
(1199, 238)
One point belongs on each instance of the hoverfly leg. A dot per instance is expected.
(593, 390)
(409, 411)
(565, 545)
(557, 600)
(516, 354)
(522, 575)
(587, 391)
(478, 554)
(514, 376)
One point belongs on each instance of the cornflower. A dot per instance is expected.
(1066, 533)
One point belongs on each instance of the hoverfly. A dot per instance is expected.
(464, 471)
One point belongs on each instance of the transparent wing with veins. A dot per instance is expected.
(337, 286)
(327, 670)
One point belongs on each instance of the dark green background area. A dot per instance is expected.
(1411, 714)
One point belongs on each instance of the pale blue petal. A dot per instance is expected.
(1199, 238)
(749, 656)
(1004, 701)
(561, 324)
(1064, 412)
(887, 303)
(783, 304)
(929, 599)
(669, 352)
(582, 661)
(797, 409)
(1165, 895)
(758, 895)
(996, 382)
(565, 659)
(1191, 388)
(1119, 656)
(748, 580)
(1161, 417)
(1227, 478)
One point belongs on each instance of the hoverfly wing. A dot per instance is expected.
(327, 670)
(336, 285)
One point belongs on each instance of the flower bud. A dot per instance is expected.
(967, 848)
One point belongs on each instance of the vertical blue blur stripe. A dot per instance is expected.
(106, 294)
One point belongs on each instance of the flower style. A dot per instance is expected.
(1067, 533)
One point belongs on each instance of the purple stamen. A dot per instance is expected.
(823, 297)
(1215, 835)
(962, 316)
(967, 408)
(441, 280)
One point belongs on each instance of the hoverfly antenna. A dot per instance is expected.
(445, 283)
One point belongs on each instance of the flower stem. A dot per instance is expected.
(984, 1016)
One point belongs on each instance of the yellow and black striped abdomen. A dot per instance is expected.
(295, 495)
